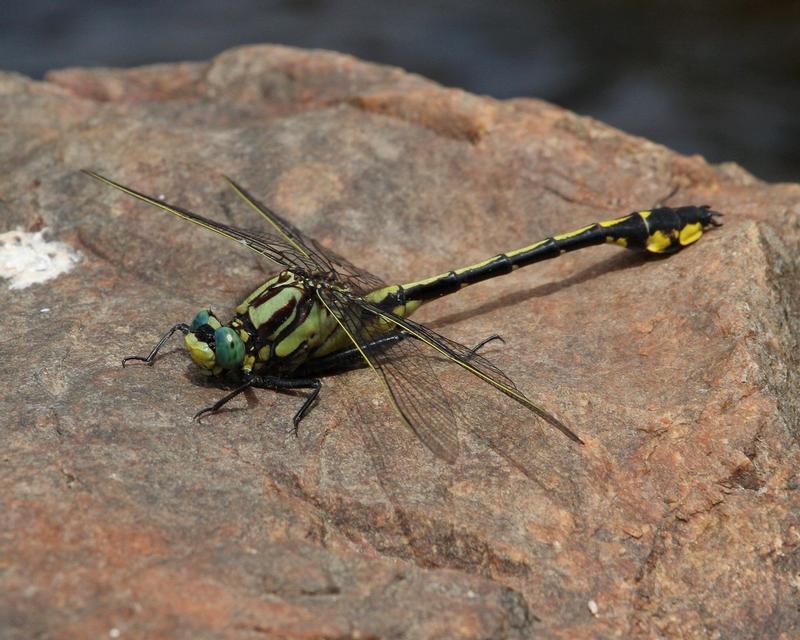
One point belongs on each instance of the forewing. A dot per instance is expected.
(338, 269)
(273, 246)
(408, 374)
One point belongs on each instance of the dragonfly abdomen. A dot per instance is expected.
(662, 230)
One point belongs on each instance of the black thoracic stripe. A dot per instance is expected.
(244, 323)
(277, 319)
(303, 309)
(632, 231)
(269, 293)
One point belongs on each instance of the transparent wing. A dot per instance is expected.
(465, 357)
(286, 246)
(407, 372)
(338, 269)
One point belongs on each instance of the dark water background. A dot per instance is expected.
(717, 78)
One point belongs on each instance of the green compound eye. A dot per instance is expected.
(205, 317)
(229, 348)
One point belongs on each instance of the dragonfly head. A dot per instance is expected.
(213, 347)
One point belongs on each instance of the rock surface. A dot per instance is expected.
(121, 517)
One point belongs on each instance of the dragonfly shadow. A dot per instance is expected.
(617, 263)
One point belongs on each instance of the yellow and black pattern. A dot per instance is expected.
(320, 313)
(663, 230)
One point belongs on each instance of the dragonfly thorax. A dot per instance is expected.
(286, 324)
(277, 328)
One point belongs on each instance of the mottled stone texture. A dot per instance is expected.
(677, 518)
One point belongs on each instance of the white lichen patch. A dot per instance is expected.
(28, 258)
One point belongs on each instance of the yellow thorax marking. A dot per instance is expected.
(309, 331)
(242, 308)
(262, 313)
(249, 361)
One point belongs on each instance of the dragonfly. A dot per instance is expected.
(320, 314)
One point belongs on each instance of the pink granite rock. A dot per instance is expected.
(679, 517)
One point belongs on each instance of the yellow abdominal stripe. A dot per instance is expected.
(379, 295)
(690, 233)
(410, 306)
(615, 221)
(658, 242)
(571, 234)
(513, 254)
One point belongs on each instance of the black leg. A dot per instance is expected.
(303, 410)
(183, 328)
(271, 382)
(223, 400)
(340, 361)
(485, 341)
